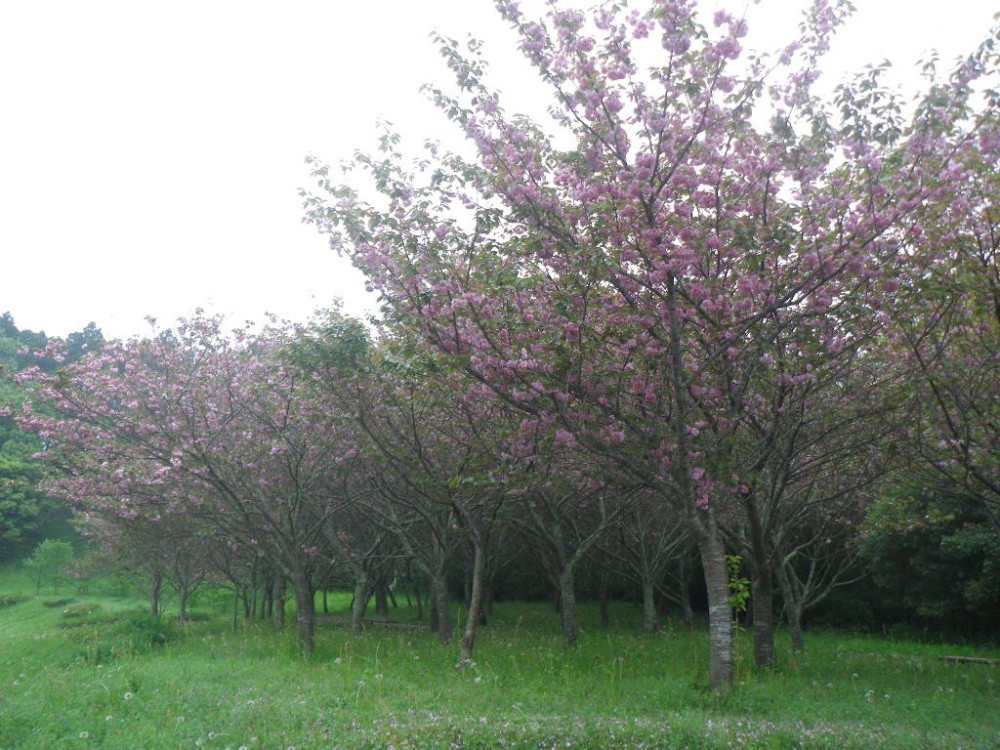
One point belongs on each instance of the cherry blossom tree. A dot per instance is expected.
(949, 344)
(203, 423)
(643, 288)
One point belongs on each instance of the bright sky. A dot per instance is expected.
(150, 152)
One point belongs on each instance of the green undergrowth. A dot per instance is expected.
(97, 672)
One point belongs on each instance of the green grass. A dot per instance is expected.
(94, 671)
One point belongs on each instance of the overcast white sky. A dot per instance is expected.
(150, 152)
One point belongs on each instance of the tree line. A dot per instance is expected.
(27, 515)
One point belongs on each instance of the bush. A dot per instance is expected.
(142, 631)
(106, 637)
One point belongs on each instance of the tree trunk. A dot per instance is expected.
(650, 620)
(360, 603)
(182, 598)
(720, 615)
(439, 587)
(684, 592)
(381, 600)
(305, 617)
(795, 628)
(793, 610)
(420, 602)
(155, 590)
(276, 596)
(236, 606)
(567, 606)
(433, 623)
(762, 599)
(761, 590)
(475, 605)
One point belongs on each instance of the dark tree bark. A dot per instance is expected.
(567, 606)
(276, 597)
(475, 604)
(442, 608)
(305, 617)
(761, 589)
(362, 592)
(155, 592)
(381, 598)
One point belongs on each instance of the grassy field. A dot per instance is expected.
(93, 671)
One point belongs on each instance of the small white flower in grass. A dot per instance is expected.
(128, 696)
(477, 680)
(199, 742)
(84, 735)
(337, 660)
(109, 717)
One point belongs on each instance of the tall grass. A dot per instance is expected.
(97, 672)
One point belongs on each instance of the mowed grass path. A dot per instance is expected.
(95, 672)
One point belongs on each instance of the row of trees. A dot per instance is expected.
(683, 330)
(294, 454)
(726, 315)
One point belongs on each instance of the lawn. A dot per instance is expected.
(94, 671)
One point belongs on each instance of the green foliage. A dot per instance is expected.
(9, 600)
(739, 586)
(935, 557)
(48, 562)
(21, 505)
(27, 516)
